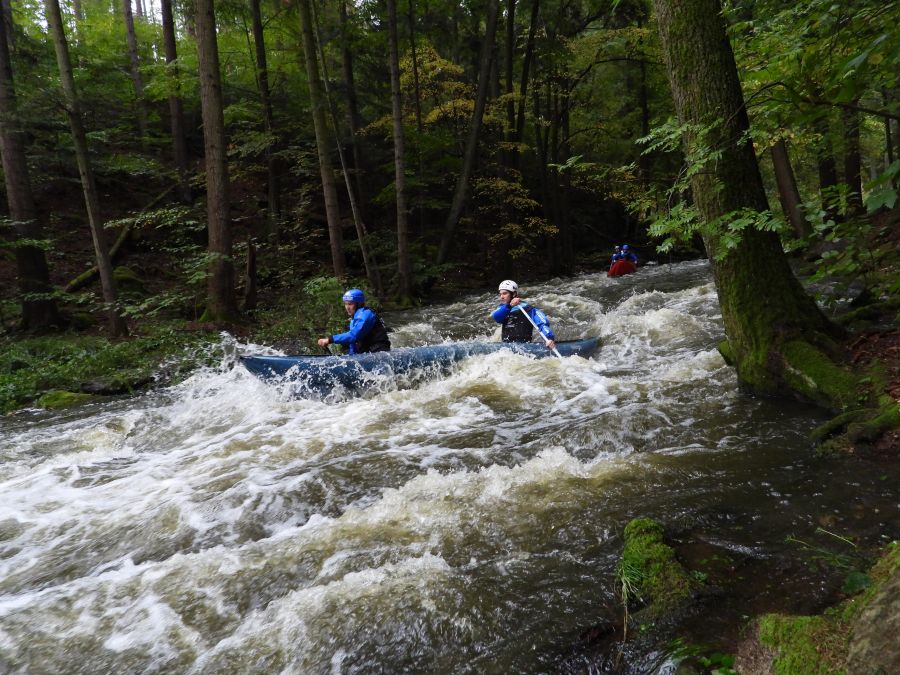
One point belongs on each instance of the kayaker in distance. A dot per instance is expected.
(367, 332)
(516, 326)
(628, 254)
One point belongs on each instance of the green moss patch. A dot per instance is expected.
(649, 567)
(855, 636)
(62, 399)
(814, 375)
(727, 352)
(810, 645)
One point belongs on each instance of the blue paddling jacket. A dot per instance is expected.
(517, 328)
(367, 333)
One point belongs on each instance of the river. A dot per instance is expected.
(467, 523)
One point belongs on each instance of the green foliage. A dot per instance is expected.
(858, 249)
(882, 191)
(172, 232)
(512, 216)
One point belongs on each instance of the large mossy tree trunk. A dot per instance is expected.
(117, 325)
(778, 339)
(221, 300)
(39, 310)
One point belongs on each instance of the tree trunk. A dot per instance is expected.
(509, 53)
(404, 269)
(372, 271)
(354, 120)
(417, 101)
(852, 160)
(888, 140)
(39, 310)
(136, 80)
(318, 103)
(176, 113)
(788, 193)
(251, 279)
(461, 194)
(262, 80)
(117, 324)
(8, 25)
(222, 304)
(828, 178)
(526, 67)
(415, 66)
(644, 160)
(771, 323)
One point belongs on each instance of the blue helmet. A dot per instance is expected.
(625, 247)
(354, 295)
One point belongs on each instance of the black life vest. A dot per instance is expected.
(377, 340)
(516, 327)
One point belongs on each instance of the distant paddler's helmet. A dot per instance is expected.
(625, 247)
(355, 295)
(509, 285)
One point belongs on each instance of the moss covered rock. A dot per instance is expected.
(875, 630)
(62, 399)
(650, 569)
(857, 636)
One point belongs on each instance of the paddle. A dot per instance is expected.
(546, 341)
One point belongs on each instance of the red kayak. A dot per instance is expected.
(621, 267)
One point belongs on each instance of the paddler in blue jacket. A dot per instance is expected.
(516, 327)
(367, 332)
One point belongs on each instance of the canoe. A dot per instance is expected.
(621, 267)
(320, 375)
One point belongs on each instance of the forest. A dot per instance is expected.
(227, 154)
(177, 169)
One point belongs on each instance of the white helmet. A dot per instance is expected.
(509, 285)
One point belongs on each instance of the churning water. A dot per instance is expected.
(466, 523)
